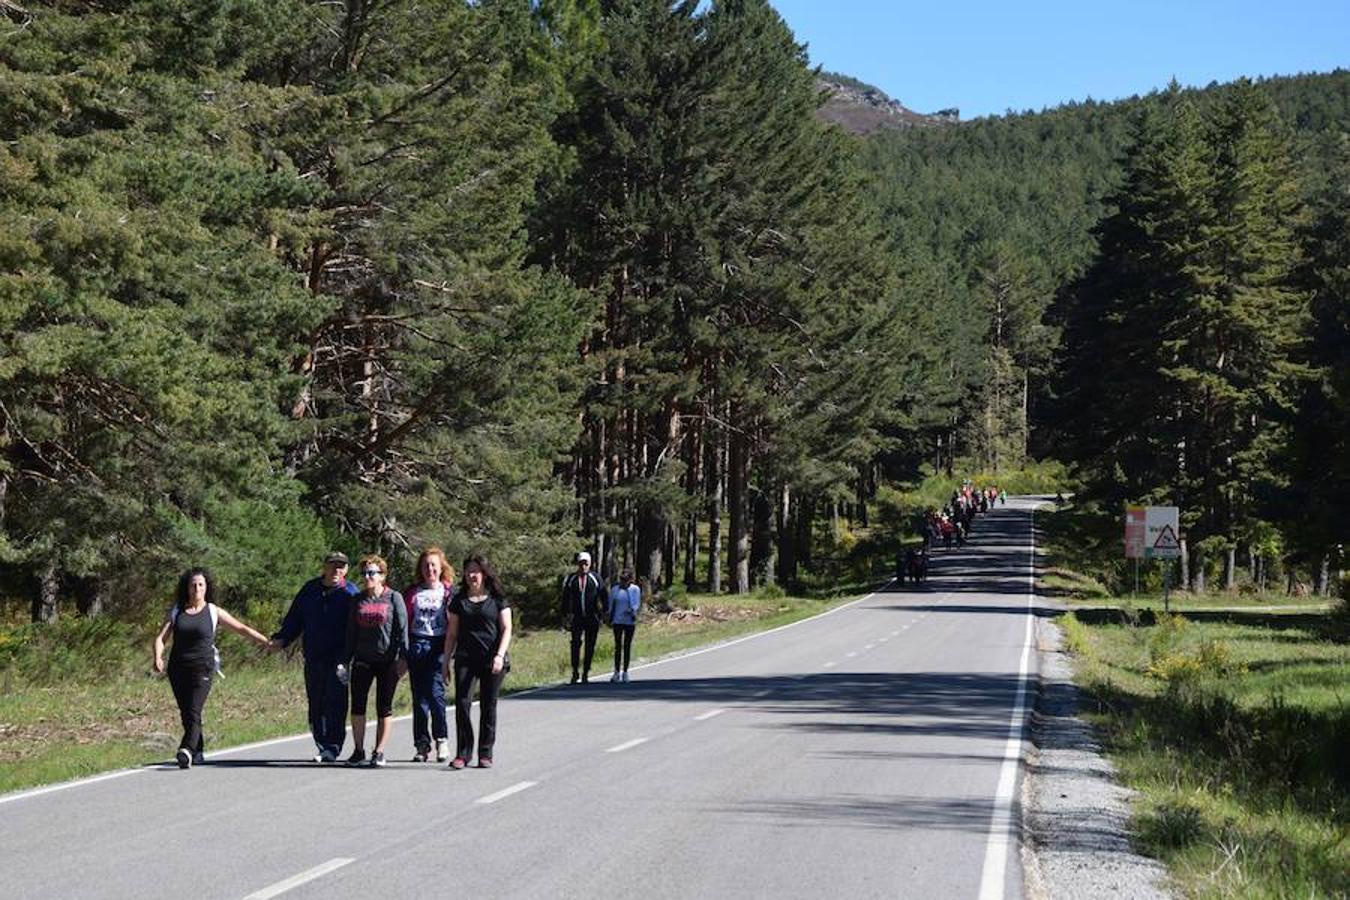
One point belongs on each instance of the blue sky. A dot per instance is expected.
(988, 57)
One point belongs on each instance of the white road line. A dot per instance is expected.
(708, 715)
(53, 788)
(829, 665)
(506, 792)
(627, 745)
(996, 851)
(295, 881)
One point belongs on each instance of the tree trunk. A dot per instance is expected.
(94, 595)
(1185, 564)
(1230, 568)
(787, 540)
(691, 554)
(806, 515)
(46, 599)
(714, 471)
(738, 507)
(764, 545)
(1198, 573)
(1322, 577)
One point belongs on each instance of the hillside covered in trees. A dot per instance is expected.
(520, 277)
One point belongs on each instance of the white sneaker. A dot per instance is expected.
(317, 757)
(327, 756)
(442, 750)
(624, 679)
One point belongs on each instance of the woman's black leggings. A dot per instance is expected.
(190, 688)
(623, 646)
(466, 674)
(385, 677)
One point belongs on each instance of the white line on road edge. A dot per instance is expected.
(708, 715)
(627, 745)
(506, 792)
(996, 851)
(52, 788)
(295, 881)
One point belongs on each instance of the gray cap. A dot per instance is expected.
(336, 558)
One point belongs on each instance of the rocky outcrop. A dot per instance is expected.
(862, 109)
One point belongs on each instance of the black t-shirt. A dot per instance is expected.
(194, 640)
(480, 627)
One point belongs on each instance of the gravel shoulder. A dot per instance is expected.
(1075, 814)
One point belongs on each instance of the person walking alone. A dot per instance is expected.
(319, 615)
(427, 600)
(582, 604)
(625, 599)
(477, 643)
(193, 659)
(376, 651)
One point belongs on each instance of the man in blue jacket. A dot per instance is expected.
(319, 614)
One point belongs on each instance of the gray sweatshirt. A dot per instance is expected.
(377, 628)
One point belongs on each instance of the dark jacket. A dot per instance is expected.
(377, 629)
(583, 603)
(320, 615)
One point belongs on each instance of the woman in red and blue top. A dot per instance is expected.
(427, 599)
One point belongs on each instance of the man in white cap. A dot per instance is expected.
(583, 610)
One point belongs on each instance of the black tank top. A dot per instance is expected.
(194, 640)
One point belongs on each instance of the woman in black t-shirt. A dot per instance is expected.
(191, 625)
(477, 638)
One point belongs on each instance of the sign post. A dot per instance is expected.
(1134, 538)
(1162, 540)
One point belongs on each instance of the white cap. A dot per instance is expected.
(583, 556)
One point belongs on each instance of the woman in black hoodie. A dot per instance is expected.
(376, 651)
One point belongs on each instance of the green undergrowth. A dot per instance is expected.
(1235, 731)
(78, 698)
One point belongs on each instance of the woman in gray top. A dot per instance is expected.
(376, 651)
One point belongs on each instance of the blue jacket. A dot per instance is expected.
(320, 614)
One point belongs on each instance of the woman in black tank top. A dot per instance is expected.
(191, 625)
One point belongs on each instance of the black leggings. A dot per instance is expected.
(466, 674)
(623, 646)
(190, 688)
(385, 676)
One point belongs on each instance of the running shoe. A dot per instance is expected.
(442, 750)
(358, 756)
(184, 758)
(458, 762)
(484, 762)
(377, 760)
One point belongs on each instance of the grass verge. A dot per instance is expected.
(76, 718)
(1231, 718)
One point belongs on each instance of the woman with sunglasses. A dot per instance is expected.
(477, 638)
(376, 651)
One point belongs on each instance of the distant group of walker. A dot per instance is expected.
(950, 525)
(355, 638)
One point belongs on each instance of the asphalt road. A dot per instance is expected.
(869, 752)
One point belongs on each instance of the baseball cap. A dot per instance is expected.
(583, 557)
(336, 558)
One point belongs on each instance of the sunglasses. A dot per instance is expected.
(371, 573)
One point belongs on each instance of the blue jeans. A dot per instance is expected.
(425, 658)
(327, 705)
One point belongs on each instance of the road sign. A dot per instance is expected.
(1134, 532)
(1162, 532)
